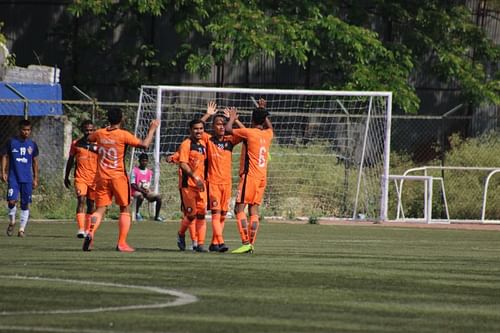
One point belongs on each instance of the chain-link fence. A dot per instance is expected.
(53, 135)
(454, 139)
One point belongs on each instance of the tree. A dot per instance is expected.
(360, 45)
(3, 40)
(442, 41)
(6, 59)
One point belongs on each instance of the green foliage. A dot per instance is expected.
(321, 193)
(11, 58)
(50, 200)
(362, 62)
(405, 39)
(98, 7)
(315, 193)
(313, 219)
(464, 189)
(445, 43)
(131, 59)
(318, 192)
(478, 152)
(3, 40)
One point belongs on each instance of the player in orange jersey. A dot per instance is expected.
(219, 180)
(111, 178)
(174, 159)
(192, 156)
(253, 172)
(84, 153)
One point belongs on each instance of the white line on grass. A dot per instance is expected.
(52, 329)
(182, 298)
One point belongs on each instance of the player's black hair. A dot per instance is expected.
(86, 123)
(115, 116)
(196, 121)
(259, 116)
(143, 156)
(24, 122)
(219, 115)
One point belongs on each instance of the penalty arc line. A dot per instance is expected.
(182, 298)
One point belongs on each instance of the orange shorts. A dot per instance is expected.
(193, 201)
(250, 190)
(117, 187)
(84, 189)
(219, 196)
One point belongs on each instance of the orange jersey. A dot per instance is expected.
(219, 155)
(254, 154)
(193, 154)
(112, 145)
(85, 155)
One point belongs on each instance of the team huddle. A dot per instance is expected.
(210, 186)
(204, 163)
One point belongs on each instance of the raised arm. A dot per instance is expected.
(267, 123)
(262, 105)
(151, 132)
(237, 121)
(233, 116)
(211, 110)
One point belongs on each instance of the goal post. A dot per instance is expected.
(329, 156)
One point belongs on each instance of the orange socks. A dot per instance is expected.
(95, 221)
(201, 230)
(80, 220)
(222, 220)
(123, 228)
(87, 223)
(192, 231)
(185, 225)
(253, 227)
(216, 230)
(241, 221)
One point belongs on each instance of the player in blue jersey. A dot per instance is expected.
(20, 172)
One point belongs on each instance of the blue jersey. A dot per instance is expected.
(21, 154)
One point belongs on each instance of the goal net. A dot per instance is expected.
(329, 156)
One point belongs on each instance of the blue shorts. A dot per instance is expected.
(26, 189)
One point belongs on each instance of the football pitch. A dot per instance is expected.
(301, 278)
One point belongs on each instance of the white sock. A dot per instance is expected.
(12, 215)
(23, 219)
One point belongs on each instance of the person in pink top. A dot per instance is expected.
(140, 182)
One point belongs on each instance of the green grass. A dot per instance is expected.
(302, 278)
